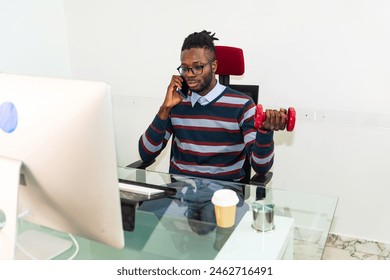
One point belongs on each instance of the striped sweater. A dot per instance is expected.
(211, 141)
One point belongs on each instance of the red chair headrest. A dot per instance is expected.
(230, 60)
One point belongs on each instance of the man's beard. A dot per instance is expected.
(205, 85)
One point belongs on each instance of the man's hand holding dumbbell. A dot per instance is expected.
(274, 119)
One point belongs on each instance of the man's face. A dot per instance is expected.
(194, 57)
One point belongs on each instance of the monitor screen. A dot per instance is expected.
(62, 132)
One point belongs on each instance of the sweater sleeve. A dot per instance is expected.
(262, 157)
(155, 139)
(259, 145)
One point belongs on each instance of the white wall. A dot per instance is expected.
(328, 59)
(33, 38)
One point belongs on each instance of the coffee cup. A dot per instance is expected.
(225, 204)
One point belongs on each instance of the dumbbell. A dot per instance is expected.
(260, 117)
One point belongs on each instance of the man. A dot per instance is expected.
(213, 127)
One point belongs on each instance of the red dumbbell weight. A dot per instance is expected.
(260, 117)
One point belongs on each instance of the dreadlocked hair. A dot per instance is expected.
(203, 39)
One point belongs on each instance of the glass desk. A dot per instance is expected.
(312, 215)
(181, 224)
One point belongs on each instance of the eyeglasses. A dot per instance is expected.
(196, 70)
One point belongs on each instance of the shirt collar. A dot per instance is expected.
(204, 100)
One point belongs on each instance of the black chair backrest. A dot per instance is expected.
(250, 90)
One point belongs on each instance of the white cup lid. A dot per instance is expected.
(224, 197)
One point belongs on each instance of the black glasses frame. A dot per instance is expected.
(196, 72)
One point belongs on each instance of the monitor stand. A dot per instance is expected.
(34, 244)
(38, 244)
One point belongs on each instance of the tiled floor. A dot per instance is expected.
(345, 248)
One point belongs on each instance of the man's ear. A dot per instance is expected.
(214, 66)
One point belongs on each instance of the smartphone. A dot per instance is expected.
(184, 89)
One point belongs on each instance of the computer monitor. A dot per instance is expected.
(61, 131)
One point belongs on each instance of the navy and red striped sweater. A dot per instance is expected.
(213, 140)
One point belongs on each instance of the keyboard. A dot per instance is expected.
(129, 187)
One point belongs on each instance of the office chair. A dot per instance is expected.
(231, 62)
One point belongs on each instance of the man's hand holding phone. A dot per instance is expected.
(175, 94)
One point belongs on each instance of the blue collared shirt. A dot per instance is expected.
(204, 100)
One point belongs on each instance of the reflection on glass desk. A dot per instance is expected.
(181, 224)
